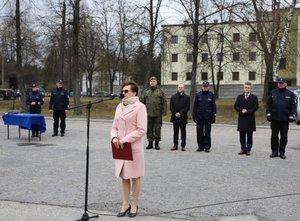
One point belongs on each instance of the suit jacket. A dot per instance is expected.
(130, 126)
(179, 103)
(246, 122)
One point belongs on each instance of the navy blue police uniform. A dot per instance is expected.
(35, 100)
(280, 109)
(59, 103)
(204, 113)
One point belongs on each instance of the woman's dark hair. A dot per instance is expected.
(133, 86)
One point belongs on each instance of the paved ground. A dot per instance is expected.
(44, 180)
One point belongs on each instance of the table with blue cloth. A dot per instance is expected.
(25, 121)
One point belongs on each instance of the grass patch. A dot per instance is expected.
(106, 109)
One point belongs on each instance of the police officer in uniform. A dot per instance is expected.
(59, 106)
(280, 110)
(204, 114)
(35, 100)
(155, 101)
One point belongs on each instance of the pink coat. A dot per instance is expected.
(130, 126)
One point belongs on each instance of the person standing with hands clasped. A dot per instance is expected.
(179, 106)
(35, 100)
(130, 126)
(156, 103)
(246, 105)
(204, 114)
(280, 110)
(59, 106)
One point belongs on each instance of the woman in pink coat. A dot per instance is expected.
(130, 126)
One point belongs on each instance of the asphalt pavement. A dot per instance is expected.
(45, 180)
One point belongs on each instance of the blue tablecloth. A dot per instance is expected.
(25, 121)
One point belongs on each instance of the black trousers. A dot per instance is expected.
(35, 128)
(277, 126)
(182, 128)
(59, 114)
(246, 140)
(203, 133)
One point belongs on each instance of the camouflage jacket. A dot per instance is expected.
(155, 101)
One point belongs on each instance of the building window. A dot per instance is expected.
(220, 76)
(188, 76)
(189, 57)
(174, 57)
(220, 37)
(220, 57)
(204, 39)
(252, 56)
(204, 57)
(236, 37)
(204, 76)
(235, 76)
(174, 39)
(189, 39)
(252, 36)
(174, 76)
(252, 75)
(282, 63)
(236, 56)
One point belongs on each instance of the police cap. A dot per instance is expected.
(205, 84)
(281, 80)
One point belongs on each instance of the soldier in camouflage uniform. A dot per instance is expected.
(155, 101)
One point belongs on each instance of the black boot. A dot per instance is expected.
(150, 145)
(157, 145)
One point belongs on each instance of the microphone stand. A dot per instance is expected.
(85, 216)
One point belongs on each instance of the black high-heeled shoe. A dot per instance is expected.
(133, 214)
(121, 214)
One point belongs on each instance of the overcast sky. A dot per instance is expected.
(168, 11)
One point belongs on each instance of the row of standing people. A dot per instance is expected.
(280, 110)
(134, 117)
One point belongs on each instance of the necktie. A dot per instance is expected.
(246, 95)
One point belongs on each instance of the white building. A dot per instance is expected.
(234, 43)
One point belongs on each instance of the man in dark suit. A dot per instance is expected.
(246, 105)
(179, 106)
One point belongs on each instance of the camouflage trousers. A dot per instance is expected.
(154, 128)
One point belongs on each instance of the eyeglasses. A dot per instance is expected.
(124, 91)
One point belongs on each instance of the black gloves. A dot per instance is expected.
(213, 120)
